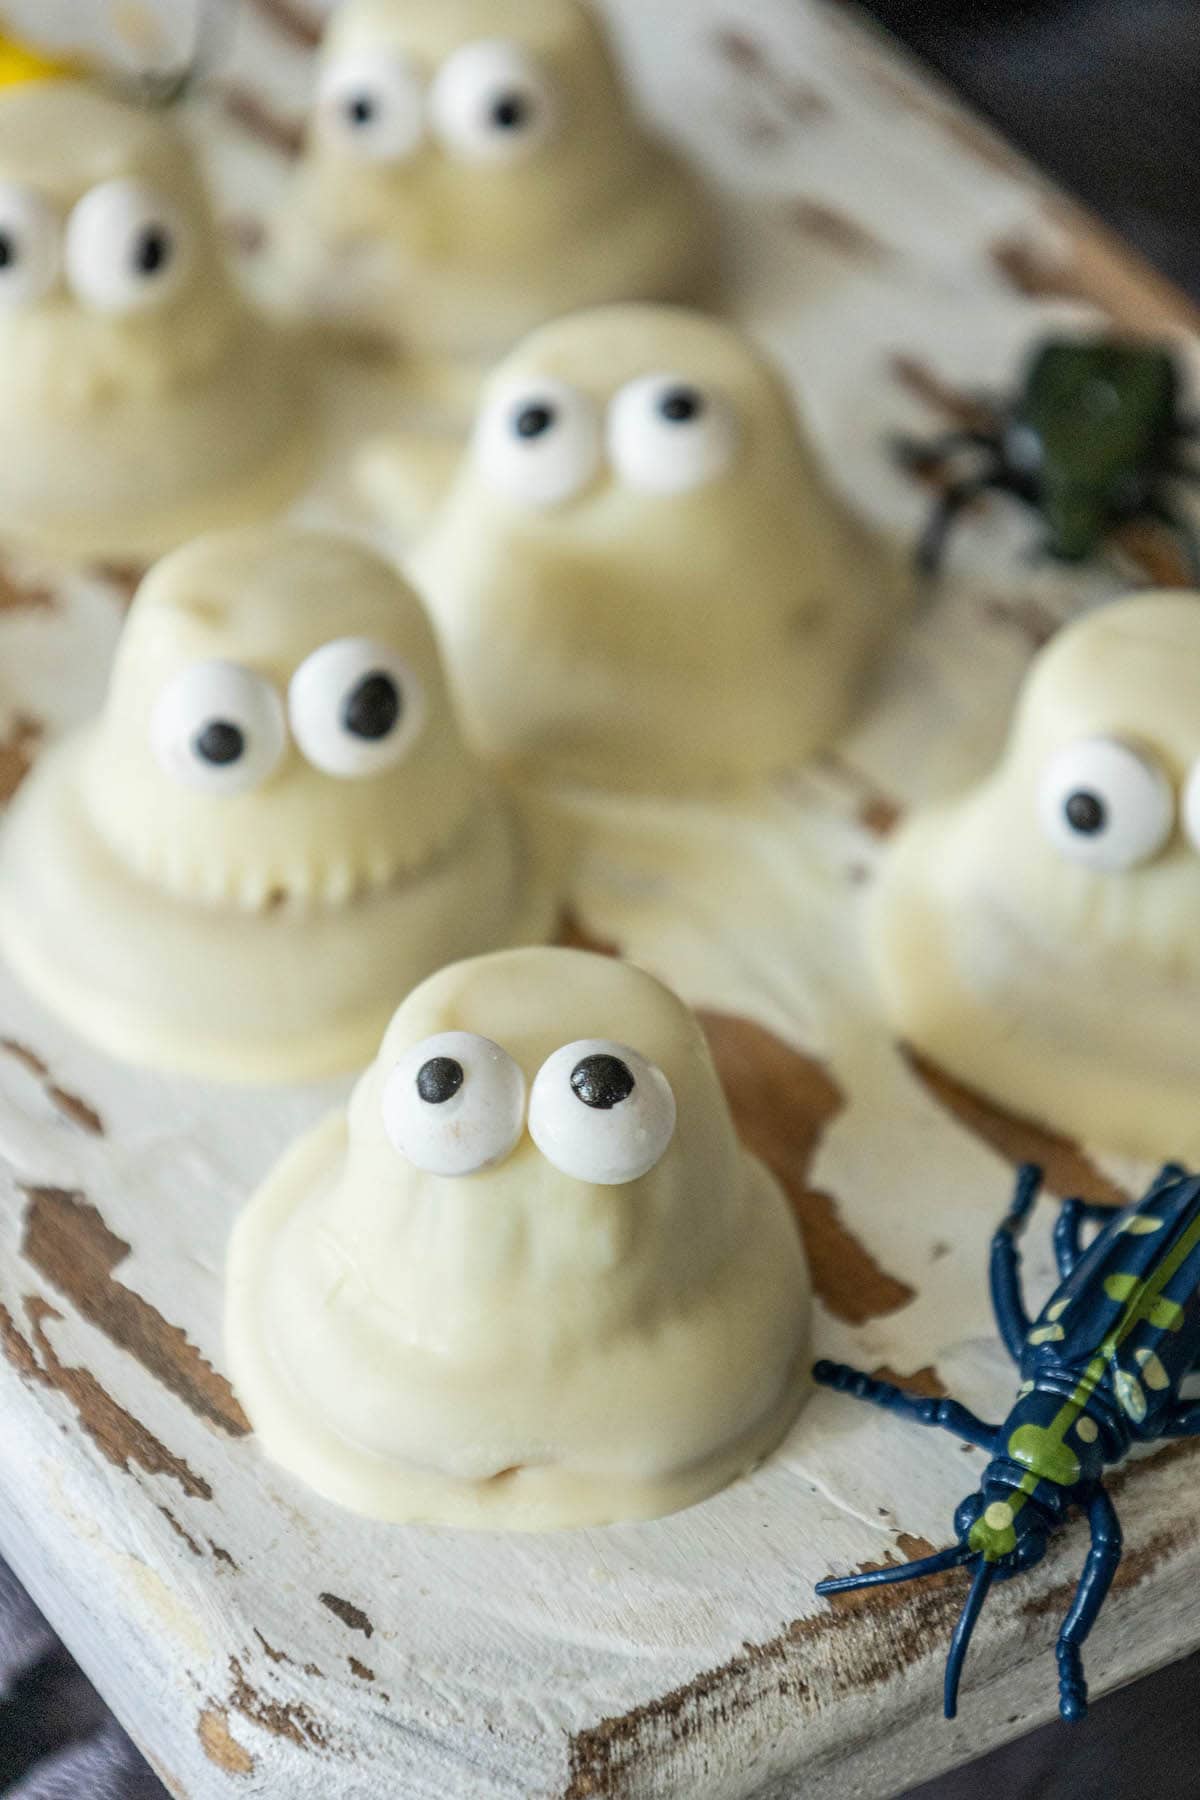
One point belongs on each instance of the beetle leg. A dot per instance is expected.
(1073, 1216)
(927, 458)
(947, 1414)
(1182, 1421)
(1090, 1595)
(1008, 1300)
(953, 501)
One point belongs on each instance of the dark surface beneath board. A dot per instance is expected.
(1101, 94)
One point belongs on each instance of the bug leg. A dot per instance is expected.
(1182, 1421)
(932, 547)
(927, 458)
(1073, 1216)
(1094, 1583)
(947, 1414)
(1008, 1301)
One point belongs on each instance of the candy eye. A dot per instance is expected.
(601, 1113)
(355, 707)
(539, 445)
(1106, 805)
(218, 728)
(29, 247)
(372, 105)
(492, 102)
(454, 1104)
(128, 248)
(666, 435)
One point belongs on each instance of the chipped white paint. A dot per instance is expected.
(257, 1640)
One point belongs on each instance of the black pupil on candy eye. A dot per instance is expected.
(8, 250)
(1086, 813)
(152, 251)
(601, 1082)
(534, 421)
(439, 1080)
(372, 709)
(360, 109)
(681, 405)
(510, 111)
(219, 743)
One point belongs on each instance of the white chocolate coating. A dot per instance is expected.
(1061, 977)
(134, 411)
(262, 932)
(450, 242)
(648, 605)
(520, 1348)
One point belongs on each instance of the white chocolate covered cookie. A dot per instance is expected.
(530, 1279)
(640, 576)
(274, 829)
(473, 169)
(1040, 936)
(140, 399)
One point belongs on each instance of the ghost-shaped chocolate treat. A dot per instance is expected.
(274, 828)
(1038, 937)
(530, 1279)
(141, 400)
(474, 168)
(640, 575)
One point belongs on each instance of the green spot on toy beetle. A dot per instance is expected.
(1041, 1450)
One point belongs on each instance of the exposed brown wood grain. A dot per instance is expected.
(1068, 1169)
(251, 113)
(181, 1533)
(288, 1719)
(121, 1439)
(72, 1106)
(1115, 278)
(1030, 618)
(795, 96)
(956, 405)
(219, 1744)
(879, 813)
(782, 1102)
(361, 1670)
(67, 1242)
(887, 1628)
(836, 230)
(352, 1617)
(17, 750)
(926, 1381)
(124, 577)
(292, 21)
(17, 595)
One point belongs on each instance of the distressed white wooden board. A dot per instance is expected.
(686, 1657)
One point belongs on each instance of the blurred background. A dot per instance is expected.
(1101, 95)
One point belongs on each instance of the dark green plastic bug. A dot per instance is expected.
(1094, 439)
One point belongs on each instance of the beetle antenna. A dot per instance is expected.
(960, 1642)
(911, 1571)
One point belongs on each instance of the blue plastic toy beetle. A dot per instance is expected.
(1101, 1369)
